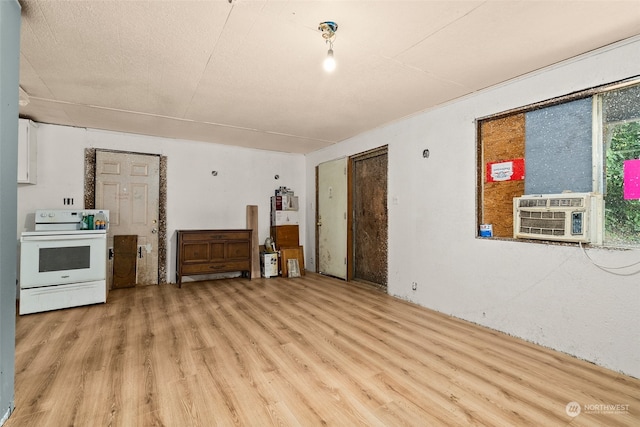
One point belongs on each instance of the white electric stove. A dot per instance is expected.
(63, 262)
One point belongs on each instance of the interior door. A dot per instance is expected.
(331, 229)
(369, 172)
(128, 185)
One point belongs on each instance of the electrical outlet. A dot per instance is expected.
(414, 286)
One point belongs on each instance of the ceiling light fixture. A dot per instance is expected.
(329, 29)
(23, 97)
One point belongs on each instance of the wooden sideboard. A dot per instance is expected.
(212, 251)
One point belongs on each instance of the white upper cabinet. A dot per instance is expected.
(27, 152)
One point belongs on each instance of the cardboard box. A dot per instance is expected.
(284, 218)
(284, 203)
(285, 236)
(269, 264)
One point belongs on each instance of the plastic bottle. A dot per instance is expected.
(100, 221)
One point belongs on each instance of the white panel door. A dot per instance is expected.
(332, 218)
(128, 185)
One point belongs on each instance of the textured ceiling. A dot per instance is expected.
(249, 73)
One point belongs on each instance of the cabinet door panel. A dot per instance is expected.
(238, 249)
(196, 252)
(217, 251)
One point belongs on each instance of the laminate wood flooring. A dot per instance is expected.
(309, 351)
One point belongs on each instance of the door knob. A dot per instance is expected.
(154, 230)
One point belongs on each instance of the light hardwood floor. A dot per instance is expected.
(307, 351)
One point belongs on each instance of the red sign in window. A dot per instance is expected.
(505, 170)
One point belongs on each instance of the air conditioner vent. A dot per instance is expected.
(532, 203)
(566, 202)
(543, 223)
(571, 217)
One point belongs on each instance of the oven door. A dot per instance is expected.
(56, 259)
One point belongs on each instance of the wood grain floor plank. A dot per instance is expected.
(340, 351)
(508, 360)
(374, 335)
(294, 352)
(378, 345)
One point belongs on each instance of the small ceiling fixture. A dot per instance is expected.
(23, 97)
(329, 29)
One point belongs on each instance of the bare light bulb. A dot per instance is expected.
(329, 63)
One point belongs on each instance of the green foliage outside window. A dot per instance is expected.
(622, 217)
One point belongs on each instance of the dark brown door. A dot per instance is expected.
(369, 175)
(125, 254)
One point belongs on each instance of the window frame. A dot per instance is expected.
(597, 149)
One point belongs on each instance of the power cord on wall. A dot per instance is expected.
(609, 269)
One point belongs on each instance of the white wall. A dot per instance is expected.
(195, 198)
(547, 294)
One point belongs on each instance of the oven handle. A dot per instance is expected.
(63, 237)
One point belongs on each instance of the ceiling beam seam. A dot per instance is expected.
(439, 29)
(160, 116)
(213, 51)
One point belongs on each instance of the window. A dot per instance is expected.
(587, 142)
(621, 146)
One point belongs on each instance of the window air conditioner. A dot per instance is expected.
(566, 217)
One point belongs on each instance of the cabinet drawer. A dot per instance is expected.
(218, 267)
(207, 236)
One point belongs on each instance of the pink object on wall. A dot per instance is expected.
(631, 174)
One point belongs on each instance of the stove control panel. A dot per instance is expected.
(68, 219)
